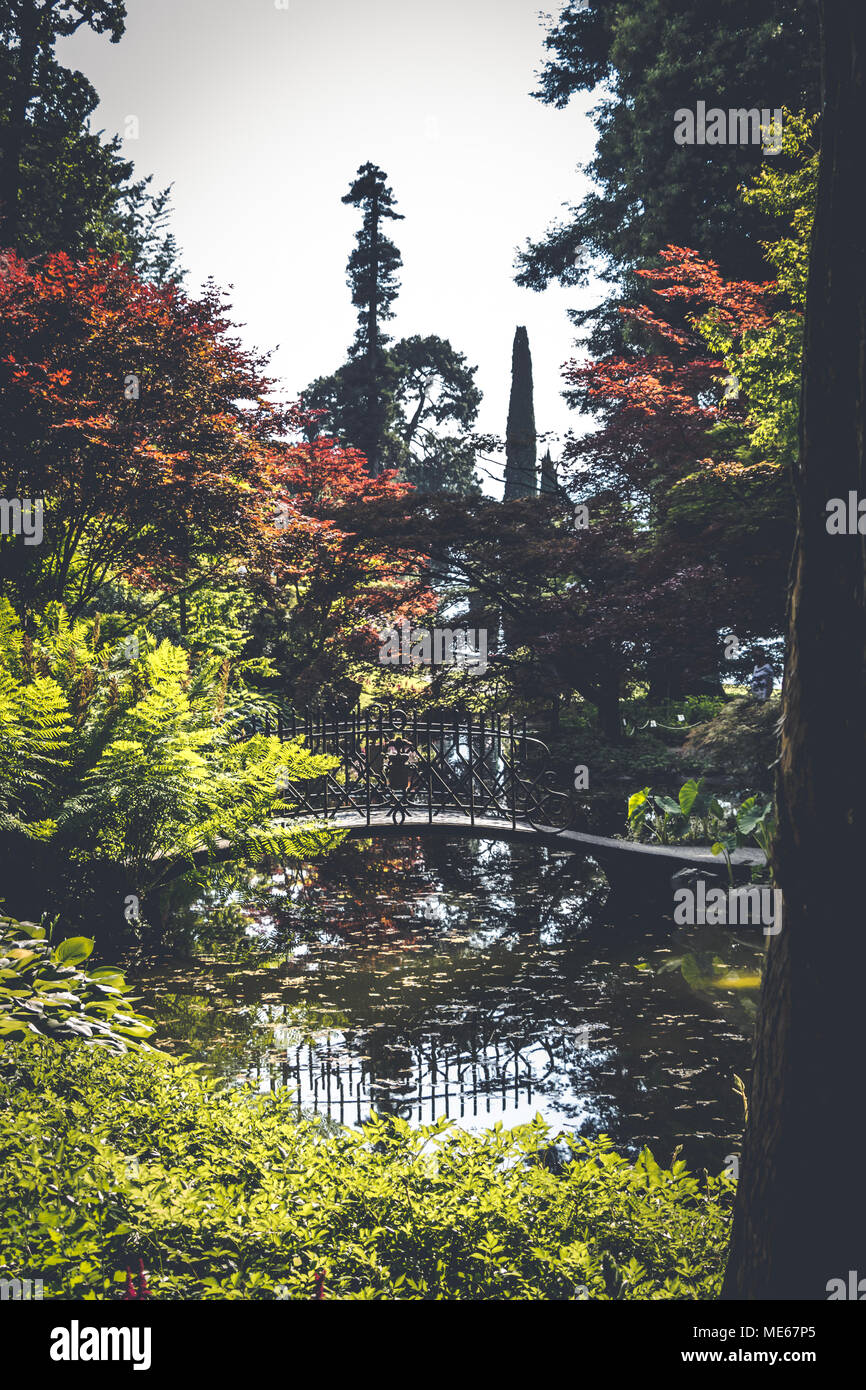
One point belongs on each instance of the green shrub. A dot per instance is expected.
(44, 989)
(224, 1194)
(131, 772)
(742, 739)
(698, 816)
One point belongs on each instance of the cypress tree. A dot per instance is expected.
(520, 439)
(549, 481)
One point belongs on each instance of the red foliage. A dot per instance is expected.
(137, 416)
(143, 1290)
(347, 580)
(659, 405)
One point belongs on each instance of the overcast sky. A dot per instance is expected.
(259, 114)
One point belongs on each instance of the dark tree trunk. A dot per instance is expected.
(800, 1217)
(609, 716)
(13, 144)
(665, 681)
(553, 717)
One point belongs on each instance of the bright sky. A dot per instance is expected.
(259, 112)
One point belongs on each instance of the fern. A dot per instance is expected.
(142, 764)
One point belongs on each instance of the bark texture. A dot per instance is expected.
(800, 1218)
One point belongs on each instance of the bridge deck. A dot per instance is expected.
(623, 859)
(603, 848)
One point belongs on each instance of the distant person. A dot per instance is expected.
(762, 680)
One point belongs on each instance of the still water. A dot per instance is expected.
(478, 981)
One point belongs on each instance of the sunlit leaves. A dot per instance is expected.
(232, 1197)
(44, 990)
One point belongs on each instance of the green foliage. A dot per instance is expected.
(429, 402)
(694, 811)
(140, 762)
(693, 709)
(743, 739)
(45, 990)
(698, 815)
(224, 1195)
(766, 362)
(754, 819)
(372, 276)
(642, 60)
(409, 405)
(64, 187)
(657, 814)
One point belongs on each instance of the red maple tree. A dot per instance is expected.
(670, 411)
(329, 576)
(137, 417)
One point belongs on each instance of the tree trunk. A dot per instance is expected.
(13, 145)
(609, 716)
(800, 1217)
(553, 717)
(665, 680)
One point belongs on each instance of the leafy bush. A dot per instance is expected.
(224, 1195)
(137, 762)
(743, 738)
(695, 814)
(43, 989)
(698, 815)
(639, 713)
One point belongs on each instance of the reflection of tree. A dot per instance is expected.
(519, 974)
(543, 881)
(391, 1069)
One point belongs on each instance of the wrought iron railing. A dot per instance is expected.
(423, 1082)
(411, 767)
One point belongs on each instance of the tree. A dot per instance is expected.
(584, 610)
(549, 482)
(437, 404)
(125, 772)
(521, 479)
(678, 444)
(372, 278)
(648, 59)
(432, 403)
(699, 411)
(61, 187)
(800, 1220)
(331, 581)
(137, 418)
(409, 406)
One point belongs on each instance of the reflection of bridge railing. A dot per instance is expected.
(410, 766)
(479, 1079)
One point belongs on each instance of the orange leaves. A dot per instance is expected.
(133, 406)
(659, 401)
(698, 284)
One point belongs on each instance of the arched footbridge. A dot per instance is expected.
(484, 777)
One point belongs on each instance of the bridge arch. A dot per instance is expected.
(477, 776)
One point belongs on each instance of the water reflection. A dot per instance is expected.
(479, 981)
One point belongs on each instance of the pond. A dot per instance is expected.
(479, 981)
